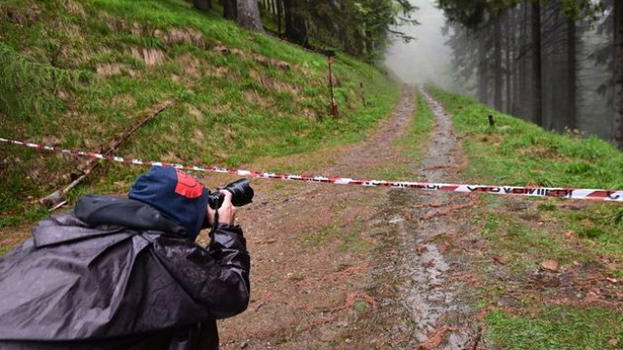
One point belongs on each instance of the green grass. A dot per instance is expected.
(601, 224)
(515, 152)
(419, 131)
(228, 109)
(556, 328)
(525, 246)
(411, 144)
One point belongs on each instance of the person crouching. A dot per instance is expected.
(118, 273)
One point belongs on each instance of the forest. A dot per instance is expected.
(556, 63)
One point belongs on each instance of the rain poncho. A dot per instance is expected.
(117, 274)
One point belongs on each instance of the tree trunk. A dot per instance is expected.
(296, 27)
(537, 68)
(483, 79)
(249, 15)
(203, 5)
(618, 73)
(508, 65)
(279, 14)
(515, 51)
(571, 122)
(273, 9)
(230, 9)
(524, 109)
(498, 84)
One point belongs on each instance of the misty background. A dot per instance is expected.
(427, 59)
(438, 44)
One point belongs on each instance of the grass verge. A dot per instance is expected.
(528, 306)
(556, 328)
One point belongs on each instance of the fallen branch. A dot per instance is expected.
(263, 301)
(351, 297)
(442, 166)
(449, 210)
(334, 276)
(56, 199)
(436, 338)
(430, 205)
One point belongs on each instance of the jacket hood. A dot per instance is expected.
(97, 210)
(96, 216)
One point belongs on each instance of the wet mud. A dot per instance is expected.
(431, 297)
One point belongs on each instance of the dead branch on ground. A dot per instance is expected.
(56, 199)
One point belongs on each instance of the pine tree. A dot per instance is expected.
(618, 73)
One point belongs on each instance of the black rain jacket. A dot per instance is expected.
(116, 274)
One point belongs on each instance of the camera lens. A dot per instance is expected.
(241, 192)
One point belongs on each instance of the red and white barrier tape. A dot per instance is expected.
(568, 193)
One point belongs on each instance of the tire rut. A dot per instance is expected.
(431, 299)
(297, 302)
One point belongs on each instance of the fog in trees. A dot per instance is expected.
(357, 27)
(426, 59)
(551, 62)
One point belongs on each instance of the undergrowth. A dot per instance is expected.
(36, 83)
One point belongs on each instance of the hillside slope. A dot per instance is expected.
(543, 273)
(77, 73)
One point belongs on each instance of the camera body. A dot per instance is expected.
(241, 194)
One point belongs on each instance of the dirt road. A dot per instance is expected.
(342, 267)
(433, 302)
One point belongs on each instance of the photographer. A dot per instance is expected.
(126, 273)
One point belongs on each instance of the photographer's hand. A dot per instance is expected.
(226, 213)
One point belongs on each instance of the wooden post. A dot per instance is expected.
(333, 107)
(363, 95)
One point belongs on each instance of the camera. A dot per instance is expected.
(241, 194)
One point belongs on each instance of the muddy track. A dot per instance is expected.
(346, 267)
(431, 297)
